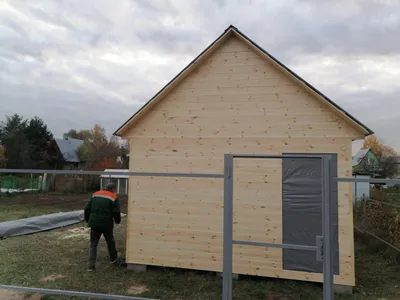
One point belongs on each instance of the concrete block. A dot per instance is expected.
(342, 289)
(137, 268)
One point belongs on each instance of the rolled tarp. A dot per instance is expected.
(40, 223)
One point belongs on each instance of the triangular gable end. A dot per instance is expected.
(231, 30)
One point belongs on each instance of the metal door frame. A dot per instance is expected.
(323, 243)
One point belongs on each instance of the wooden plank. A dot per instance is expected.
(178, 164)
(258, 268)
(270, 145)
(252, 110)
(299, 121)
(239, 130)
(177, 101)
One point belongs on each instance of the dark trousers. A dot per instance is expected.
(95, 235)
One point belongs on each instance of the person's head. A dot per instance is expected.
(111, 187)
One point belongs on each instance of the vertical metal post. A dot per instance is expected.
(364, 214)
(327, 228)
(228, 228)
(355, 189)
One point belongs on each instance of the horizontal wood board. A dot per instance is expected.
(236, 102)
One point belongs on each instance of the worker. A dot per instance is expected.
(101, 211)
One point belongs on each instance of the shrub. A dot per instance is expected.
(383, 220)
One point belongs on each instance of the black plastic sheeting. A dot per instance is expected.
(40, 223)
(302, 212)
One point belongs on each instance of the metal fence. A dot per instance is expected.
(321, 248)
(66, 172)
(379, 219)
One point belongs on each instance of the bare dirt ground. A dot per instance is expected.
(13, 295)
(56, 200)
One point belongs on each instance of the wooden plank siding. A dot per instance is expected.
(235, 102)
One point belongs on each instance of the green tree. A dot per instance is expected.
(2, 156)
(84, 135)
(15, 141)
(124, 154)
(86, 152)
(96, 147)
(39, 137)
(24, 141)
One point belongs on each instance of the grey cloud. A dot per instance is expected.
(77, 110)
(16, 27)
(345, 27)
(54, 19)
(147, 5)
(379, 111)
(62, 70)
(178, 40)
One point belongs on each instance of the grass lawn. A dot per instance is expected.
(390, 195)
(393, 197)
(57, 259)
(10, 212)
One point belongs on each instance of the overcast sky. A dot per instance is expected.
(76, 63)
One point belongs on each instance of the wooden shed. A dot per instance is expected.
(235, 98)
(121, 181)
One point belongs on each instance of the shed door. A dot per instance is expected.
(302, 212)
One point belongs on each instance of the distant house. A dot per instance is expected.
(64, 153)
(365, 162)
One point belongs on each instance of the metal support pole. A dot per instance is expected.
(327, 228)
(228, 228)
(364, 214)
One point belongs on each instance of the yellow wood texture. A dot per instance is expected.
(245, 59)
(235, 102)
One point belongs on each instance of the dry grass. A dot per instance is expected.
(382, 219)
(50, 260)
(10, 212)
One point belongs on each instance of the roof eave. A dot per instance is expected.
(124, 126)
(367, 131)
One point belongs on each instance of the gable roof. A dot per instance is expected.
(69, 149)
(210, 49)
(359, 156)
